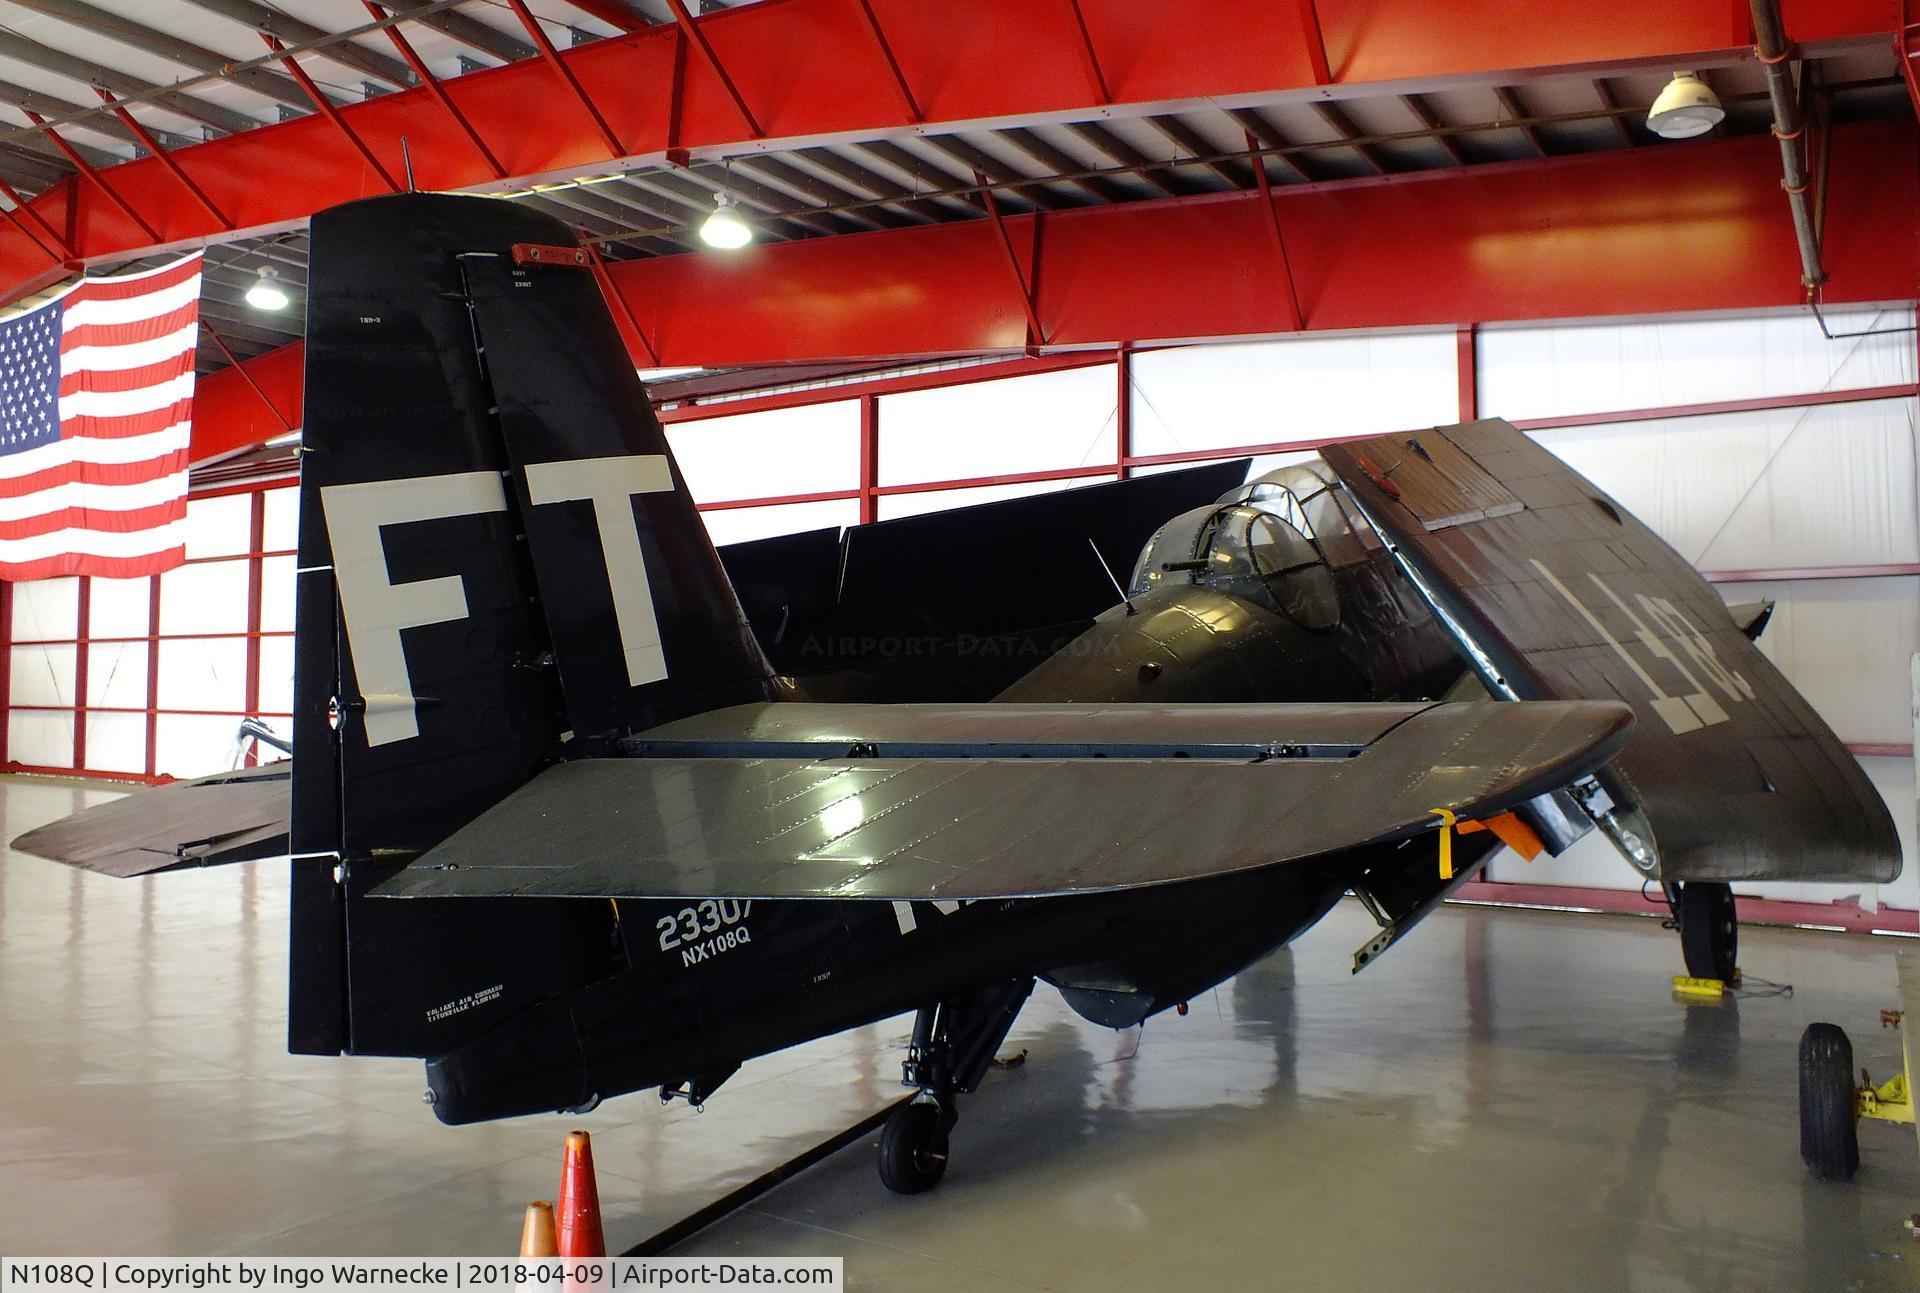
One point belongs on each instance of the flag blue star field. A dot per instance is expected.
(96, 404)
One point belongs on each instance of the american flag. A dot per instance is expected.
(96, 402)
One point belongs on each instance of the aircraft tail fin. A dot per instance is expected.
(496, 552)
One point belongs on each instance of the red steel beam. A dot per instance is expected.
(692, 31)
(431, 84)
(1036, 331)
(1683, 227)
(985, 63)
(565, 72)
(1095, 76)
(20, 212)
(619, 301)
(1296, 317)
(248, 404)
(165, 158)
(1316, 39)
(324, 106)
(900, 85)
(1906, 47)
(93, 176)
(246, 375)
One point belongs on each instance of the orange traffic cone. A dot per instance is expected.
(579, 1206)
(536, 1232)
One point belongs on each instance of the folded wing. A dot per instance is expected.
(1558, 593)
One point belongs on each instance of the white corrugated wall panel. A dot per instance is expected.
(1830, 485)
(1559, 369)
(1275, 392)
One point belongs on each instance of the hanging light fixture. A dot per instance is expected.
(725, 227)
(1686, 107)
(266, 292)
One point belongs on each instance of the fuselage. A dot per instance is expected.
(708, 985)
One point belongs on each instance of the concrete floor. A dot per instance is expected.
(1508, 1100)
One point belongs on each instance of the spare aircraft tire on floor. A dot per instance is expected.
(1829, 1139)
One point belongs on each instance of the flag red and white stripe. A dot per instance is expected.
(96, 407)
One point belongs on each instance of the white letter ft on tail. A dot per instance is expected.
(610, 484)
(375, 607)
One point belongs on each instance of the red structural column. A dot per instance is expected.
(869, 459)
(256, 578)
(1123, 411)
(82, 630)
(153, 676)
(1466, 347)
(6, 672)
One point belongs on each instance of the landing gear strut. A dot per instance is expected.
(952, 1048)
(1709, 928)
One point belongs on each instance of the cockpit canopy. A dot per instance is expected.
(1272, 541)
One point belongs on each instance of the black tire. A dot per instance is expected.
(1829, 1139)
(913, 1148)
(1709, 930)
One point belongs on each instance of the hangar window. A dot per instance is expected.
(151, 677)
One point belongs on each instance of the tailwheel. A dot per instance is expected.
(1709, 929)
(1829, 1134)
(913, 1147)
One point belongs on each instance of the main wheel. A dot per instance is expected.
(913, 1148)
(1709, 930)
(1829, 1140)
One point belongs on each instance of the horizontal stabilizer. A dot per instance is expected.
(1036, 817)
(228, 817)
(1556, 592)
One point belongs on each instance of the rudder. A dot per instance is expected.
(497, 553)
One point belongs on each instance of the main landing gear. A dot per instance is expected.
(952, 1048)
(1703, 912)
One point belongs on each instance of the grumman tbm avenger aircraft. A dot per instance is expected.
(563, 825)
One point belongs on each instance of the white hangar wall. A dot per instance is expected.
(1779, 461)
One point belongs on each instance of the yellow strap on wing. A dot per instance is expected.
(1446, 841)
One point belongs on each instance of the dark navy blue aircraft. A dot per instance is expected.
(579, 808)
